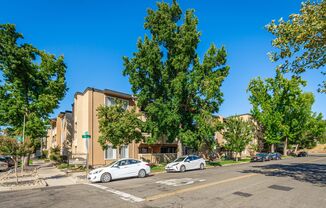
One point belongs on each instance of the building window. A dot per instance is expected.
(143, 150)
(110, 153)
(110, 101)
(124, 151)
(168, 149)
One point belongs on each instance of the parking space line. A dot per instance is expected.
(193, 188)
(122, 195)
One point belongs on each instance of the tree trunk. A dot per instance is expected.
(22, 161)
(16, 165)
(296, 148)
(180, 149)
(236, 156)
(273, 148)
(285, 149)
(240, 156)
(27, 159)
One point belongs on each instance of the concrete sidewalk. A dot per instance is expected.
(55, 177)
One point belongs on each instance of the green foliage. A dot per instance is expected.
(178, 93)
(238, 133)
(119, 126)
(45, 153)
(281, 108)
(55, 154)
(33, 83)
(272, 101)
(301, 40)
(10, 146)
(315, 132)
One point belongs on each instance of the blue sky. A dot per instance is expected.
(94, 35)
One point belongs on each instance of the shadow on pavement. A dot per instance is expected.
(304, 172)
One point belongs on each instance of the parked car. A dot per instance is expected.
(184, 163)
(3, 164)
(124, 168)
(9, 160)
(303, 154)
(275, 156)
(261, 157)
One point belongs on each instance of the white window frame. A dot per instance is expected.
(114, 153)
(126, 151)
(124, 101)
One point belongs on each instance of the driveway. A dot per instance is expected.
(297, 182)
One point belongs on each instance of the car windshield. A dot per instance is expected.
(260, 154)
(180, 159)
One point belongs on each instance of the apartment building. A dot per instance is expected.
(60, 132)
(85, 120)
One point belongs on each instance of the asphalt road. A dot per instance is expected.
(298, 182)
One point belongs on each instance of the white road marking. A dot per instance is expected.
(180, 181)
(122, 195)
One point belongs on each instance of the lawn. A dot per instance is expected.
(226, 162)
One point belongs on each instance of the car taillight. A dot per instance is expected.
(147, 164)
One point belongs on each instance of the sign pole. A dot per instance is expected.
(87, 137)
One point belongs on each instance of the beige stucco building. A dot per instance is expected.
(85, 120)
(60, 132)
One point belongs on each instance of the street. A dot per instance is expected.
(297, 182)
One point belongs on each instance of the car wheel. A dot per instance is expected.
(182, 168)
(106, 177)
(201, 166)
(142, 173)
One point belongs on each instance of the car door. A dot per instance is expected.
(133, 167)
(187, 163)
(195, 162)
(122, 169)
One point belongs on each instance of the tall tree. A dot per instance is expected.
(301, 40)
(118, 125)
(277, 107)
(238, 133)
(174, 89)
(32, 84)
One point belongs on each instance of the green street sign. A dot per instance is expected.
(86, 135)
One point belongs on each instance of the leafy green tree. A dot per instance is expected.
(177, 93)
(281, 108)
(118, 125)
(32, 85)
(315, 132)
(10, 146)
(238, 133)
(301, 40)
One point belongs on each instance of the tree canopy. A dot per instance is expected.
(238, 133)
(118, 125)
(32, 84)
(301, 40)
(177, 92)
(281, 108)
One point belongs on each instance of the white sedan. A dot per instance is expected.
(184, 163)
(123, 168)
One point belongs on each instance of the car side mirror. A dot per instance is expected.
(116, 166)
(187, 160)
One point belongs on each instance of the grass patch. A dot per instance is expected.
(226, 162)
(158, 167)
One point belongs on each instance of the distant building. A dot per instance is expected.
(60, 132)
